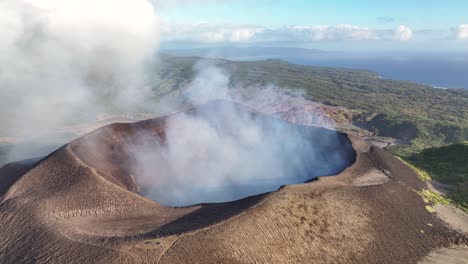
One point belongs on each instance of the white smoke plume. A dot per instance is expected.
(62, 59)
(210, 83)
(223, 153)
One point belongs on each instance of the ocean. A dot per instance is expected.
(437, 71)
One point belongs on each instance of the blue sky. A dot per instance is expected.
(421, 14)
(439, 25)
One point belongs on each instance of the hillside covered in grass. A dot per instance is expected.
(448, 165)
(419, 115)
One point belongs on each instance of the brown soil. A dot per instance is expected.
(79, 205)
(452, 255)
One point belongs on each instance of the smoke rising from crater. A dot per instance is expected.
(223, 152)
(65, 59)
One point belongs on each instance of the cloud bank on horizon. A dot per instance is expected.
(205, 32)
(416, 24)
(212, 33)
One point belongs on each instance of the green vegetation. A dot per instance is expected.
(424, 176)
(434, 197)
(447, 165)
(457, 195)
(419, 115)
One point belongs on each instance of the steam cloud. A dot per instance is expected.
(223, 153)
(64, 60)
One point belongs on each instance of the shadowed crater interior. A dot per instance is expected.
(217, 152)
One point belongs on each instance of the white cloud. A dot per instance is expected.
(462, 32)
(403, 33)
(218, 33)
(342, 32)
(241, 35)
(210, 33)
(319, 33)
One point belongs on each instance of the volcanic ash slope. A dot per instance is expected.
(81, 205)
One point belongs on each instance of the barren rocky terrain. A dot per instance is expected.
(79, 205)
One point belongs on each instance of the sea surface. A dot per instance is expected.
(437, 71)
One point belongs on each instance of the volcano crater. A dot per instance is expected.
(218, 152)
